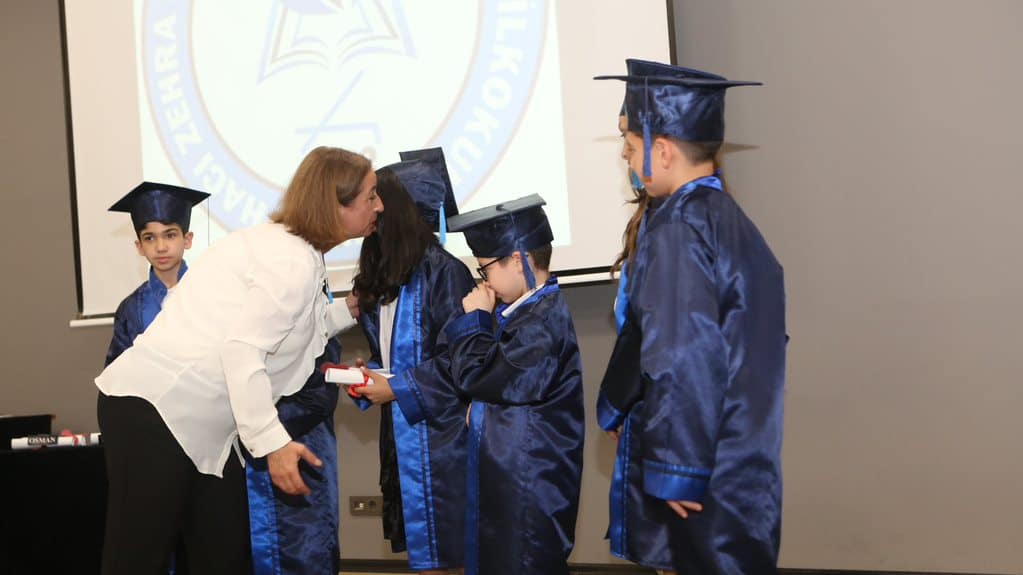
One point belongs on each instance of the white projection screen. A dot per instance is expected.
(227, 96)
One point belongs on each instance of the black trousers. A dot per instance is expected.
(157, 497)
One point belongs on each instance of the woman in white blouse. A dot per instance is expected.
(241, 330)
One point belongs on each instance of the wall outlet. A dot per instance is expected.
(366, 505)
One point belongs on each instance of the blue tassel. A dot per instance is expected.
(527, 270)
(645, 119)
(443, 224)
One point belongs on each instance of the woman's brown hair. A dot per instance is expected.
(325, 178)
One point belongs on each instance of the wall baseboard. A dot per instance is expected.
(398, 566)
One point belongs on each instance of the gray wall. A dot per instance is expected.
(879, 162)
(885, 174)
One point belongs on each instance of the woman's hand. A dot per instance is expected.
(283, 466)
(377, 392)
(481, 297)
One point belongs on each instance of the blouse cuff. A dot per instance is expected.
(270, 439)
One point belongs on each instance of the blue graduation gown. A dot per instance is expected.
(525, 434)
(136, 312)
(703, 421)
(423, 432)
(291, 534)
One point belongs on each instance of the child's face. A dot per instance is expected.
(632, 149)
(504, 276)
(163, 245)
(632, 153)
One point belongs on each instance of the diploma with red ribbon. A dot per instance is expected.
(350, 377)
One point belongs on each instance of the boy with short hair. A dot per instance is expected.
(526, 420)
(706, 313)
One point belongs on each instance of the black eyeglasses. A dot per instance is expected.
(483, 269)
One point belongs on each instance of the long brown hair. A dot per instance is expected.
(325, 178)
(641, 199)
(391, 254)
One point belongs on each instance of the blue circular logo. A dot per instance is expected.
(331, 60)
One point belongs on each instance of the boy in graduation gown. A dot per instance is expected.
(160, 214)
(520, 365)
(704, 337)
(408, 288)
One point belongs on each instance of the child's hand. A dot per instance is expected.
(352, 301)
(683, 508)
(482, 297)
(379, 391)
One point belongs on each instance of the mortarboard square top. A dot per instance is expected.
(503, 229)
(682, 103)
(155, 202)
(424, 174)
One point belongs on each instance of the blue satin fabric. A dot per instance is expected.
(508, 233)
(262, 519)
(693, 114)
(707, 299)
(411, 440)
(137, 311)
(423, 432)
(622, 385)
(424, 174)
(621, 298)
(298, 535)
(526, 434)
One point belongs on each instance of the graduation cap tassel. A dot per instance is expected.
(644, 118)
(442, 226)
(527, 270)
(646, 145)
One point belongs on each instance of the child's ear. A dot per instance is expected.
(188, 241)
(664, 152)
(138, 248)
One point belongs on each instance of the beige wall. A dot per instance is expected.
(881, 166)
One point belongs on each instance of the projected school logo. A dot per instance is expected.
(240, 90)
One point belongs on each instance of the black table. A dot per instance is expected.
(52, 510)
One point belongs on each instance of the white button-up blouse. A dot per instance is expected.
(242, 329)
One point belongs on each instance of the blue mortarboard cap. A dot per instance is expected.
(503, 229)
(425, 177)
(155, 202)
(661, 99)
